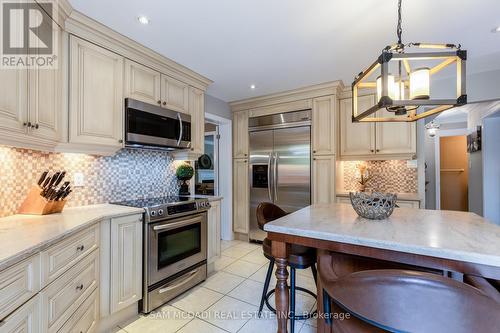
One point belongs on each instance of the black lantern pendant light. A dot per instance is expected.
(402, 81)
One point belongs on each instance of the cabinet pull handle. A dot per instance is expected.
(80, 287)
(28, 124)
(159, 102)
(80, 248)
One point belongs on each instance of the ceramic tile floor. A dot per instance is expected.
(227, 301)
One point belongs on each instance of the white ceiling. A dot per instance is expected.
(284, 44)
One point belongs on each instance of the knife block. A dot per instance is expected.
(35, 204)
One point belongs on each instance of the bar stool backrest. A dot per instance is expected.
(267, 212)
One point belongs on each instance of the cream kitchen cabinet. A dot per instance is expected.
(374, 140)
(323, 125)
(142, 83)
(121, 263)
(408, 204)
(323, 179)
(240, 134)
(175, 94)
(26, 319)
(95, 96)
(214, 231)
(241, 196)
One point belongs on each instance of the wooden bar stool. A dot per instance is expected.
(299, 257)
(406, 301)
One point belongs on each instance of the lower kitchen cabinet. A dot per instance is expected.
(85, 318)
(26, 319)
(214, 232)
(323, 179)
(121, 263)
(241, 196)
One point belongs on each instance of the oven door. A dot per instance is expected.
(175, 245)
(149, 125)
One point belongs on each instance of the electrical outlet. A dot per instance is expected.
(411, 164)
(78, 179)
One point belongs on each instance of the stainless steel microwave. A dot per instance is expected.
(151, 126)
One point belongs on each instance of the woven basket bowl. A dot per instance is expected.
(374, 206)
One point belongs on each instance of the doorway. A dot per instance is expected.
(207, 166)
(453, 173)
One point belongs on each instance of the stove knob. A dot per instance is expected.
(203, 204)
(208, 205)
(160, 212)
(153, 213)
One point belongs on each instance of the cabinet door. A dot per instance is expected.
(14, 100)
(241, 196)
(323, 125)
(408, 204)
(174, 94)
(214, 220)
(323, 189)
(356, 139)
(344, 200)
(26, 319)
(240, 134)
(96, 95)
(197, 111)
(395, 138)
(126, 262)
(142, 83)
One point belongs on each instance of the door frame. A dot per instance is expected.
(437, 157)
(225, 183)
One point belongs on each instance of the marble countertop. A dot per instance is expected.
(401, 196)
(24, 235)
(210, 197)
(443, 234)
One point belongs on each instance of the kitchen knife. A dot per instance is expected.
(60, 178)
(46, 182)
(42, 177)
(54, 178)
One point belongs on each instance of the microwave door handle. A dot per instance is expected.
(180, 132)
(269, 184)
(169, 226)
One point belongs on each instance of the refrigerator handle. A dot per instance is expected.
(269, 178)
(275, 177)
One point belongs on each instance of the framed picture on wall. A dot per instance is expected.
(474, 141)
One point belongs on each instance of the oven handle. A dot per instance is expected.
(185, 279)
(169, 226)
(180, 132)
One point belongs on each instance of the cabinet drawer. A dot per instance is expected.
(26, 319)
(60, 257)
(18, 284)
(85, 318)
(62, 297)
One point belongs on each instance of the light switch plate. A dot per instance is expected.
(412, 164)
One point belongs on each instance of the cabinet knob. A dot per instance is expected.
(80, 248)
(192, 149)
(159, 102)
(120, 141)
(36, 126)
(378, 150)
(372, 150)
(80, 287)
(164, 103)
(28, 124)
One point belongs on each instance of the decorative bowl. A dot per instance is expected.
(374, 206)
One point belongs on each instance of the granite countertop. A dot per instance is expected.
(443, 234)
(401, 196)
(24, 235)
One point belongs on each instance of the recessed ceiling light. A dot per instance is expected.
(252, 86)
(497, 29)
(143, 19)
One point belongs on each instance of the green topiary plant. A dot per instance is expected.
(184, 172)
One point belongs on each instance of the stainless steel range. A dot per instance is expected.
(175, 247)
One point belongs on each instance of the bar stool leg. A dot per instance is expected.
(315, 274)
(292, 299)
(266, 285)
(327, 308)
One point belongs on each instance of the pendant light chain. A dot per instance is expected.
(399, 28)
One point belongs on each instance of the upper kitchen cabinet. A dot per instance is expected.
(142, 83)
(374, 141)
(323, 125)
(13, 101)
(95, 97)
(175, 94)
(240, 134)
(356, 139)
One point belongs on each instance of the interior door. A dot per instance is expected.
(292, 168)
(454, 173)
(260, 176)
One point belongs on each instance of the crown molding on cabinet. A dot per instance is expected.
(97, 33)
(318, 90)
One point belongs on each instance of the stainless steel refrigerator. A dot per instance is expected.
(280, 163)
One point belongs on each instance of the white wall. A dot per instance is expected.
(218, 107)
(491, 168)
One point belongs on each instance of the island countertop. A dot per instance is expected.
(23, 235)
(444, 234)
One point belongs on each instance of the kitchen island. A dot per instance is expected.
(444, 240)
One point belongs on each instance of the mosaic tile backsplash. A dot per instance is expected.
(129, 174)
(387, 176)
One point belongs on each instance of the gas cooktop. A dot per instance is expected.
(168, 207)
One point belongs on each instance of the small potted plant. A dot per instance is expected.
(184, 173)
(363, 176)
